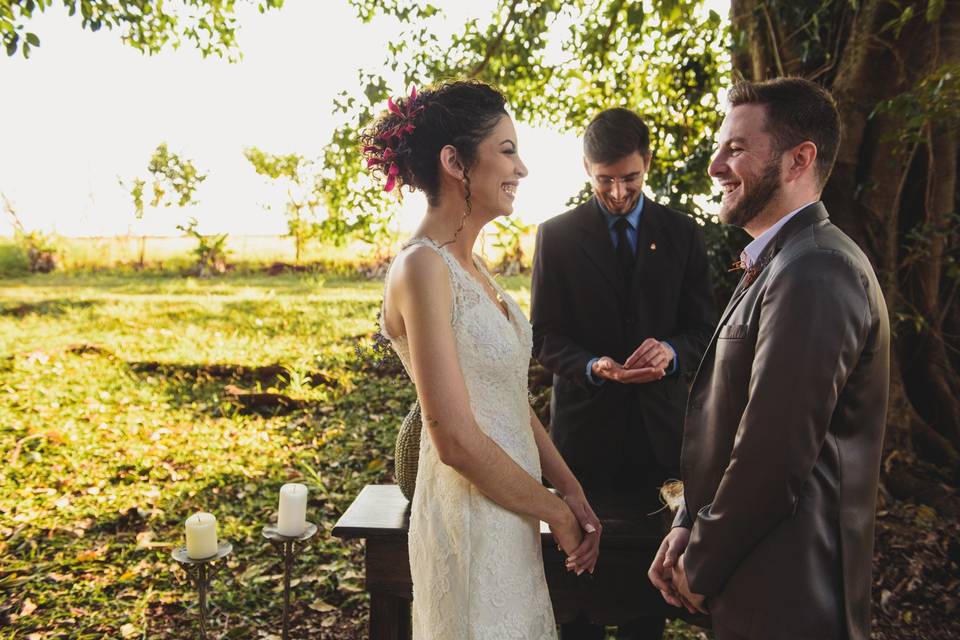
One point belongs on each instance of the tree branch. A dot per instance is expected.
(774, 47)
(495, 45)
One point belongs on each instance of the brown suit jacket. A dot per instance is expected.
(782, 442)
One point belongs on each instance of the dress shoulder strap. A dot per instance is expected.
(485, 272)
(453, 270)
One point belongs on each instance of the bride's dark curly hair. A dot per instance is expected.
(403, 144)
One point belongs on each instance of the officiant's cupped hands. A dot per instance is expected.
(647, 364)
(651, 354)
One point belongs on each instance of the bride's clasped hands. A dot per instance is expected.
(582, 535)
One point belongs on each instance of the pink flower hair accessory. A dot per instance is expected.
(394, 139)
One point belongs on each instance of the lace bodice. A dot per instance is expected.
(477, 568)
(494, 351)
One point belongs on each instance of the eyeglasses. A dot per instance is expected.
(627, 181)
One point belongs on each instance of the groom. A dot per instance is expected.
(621, 306)
(784, 425)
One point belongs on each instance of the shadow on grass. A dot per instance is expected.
(235, 373)
(239, 386)
(55, 307)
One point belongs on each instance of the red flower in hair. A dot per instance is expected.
(391, 177)
(394, 139)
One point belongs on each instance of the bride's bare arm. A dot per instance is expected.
(554, 467)
(419, 290)
(555, 470)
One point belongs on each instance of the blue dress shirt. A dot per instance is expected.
(633, 223)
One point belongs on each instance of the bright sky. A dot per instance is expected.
(85, 110)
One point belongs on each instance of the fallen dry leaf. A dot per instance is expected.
(27, 608)
(321, 607)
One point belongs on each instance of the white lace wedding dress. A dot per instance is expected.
(478, 568)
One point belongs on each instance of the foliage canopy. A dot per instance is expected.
(558, 63)
(146, 25)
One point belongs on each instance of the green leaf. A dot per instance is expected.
(33, 39)
(148, 26)
(905, 17)
(934, 9)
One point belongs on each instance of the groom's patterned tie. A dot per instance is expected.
(624, 250)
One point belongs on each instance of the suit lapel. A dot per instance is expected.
(650, 246)
(813, 214)
(735, 299)
(596, 243)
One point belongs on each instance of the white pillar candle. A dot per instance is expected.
(292, 519)
(201, 536)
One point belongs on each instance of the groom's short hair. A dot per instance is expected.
(797, 111)
(614, 134)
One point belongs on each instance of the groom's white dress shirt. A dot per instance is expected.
(752, 251)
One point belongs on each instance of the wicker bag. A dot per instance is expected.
(406, 454)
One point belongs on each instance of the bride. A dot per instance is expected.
(475, 551)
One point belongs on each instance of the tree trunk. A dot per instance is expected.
(894, 190)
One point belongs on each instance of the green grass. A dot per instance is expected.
(106, 451)
(13, 259)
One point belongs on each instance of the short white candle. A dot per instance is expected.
(292, 519)
(201, 536)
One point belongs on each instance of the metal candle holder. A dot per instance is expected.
(288, 549)
(201, 572)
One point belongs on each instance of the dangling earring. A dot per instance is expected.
(466, 211)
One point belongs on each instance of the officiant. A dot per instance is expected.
(621, 309)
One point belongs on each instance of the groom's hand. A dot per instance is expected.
(694, 602)
(662, 568)
(607, 367)
(650, 354)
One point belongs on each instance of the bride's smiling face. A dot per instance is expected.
(496, 171)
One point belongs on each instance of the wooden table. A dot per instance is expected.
(617, 592)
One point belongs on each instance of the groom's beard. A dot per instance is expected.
(754, 201)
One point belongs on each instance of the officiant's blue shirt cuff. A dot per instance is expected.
(590, 377)
(673, 363)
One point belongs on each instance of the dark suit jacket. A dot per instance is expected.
(782, 442)
(580, 309)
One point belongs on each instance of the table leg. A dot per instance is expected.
(389, 617)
